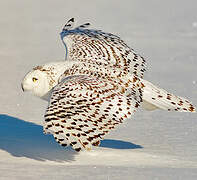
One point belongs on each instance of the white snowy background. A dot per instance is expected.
(151, 146)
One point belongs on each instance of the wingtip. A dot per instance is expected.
(71, 20)
(69, 24)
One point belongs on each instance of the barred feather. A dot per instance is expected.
(98, 87)
(155, 97)
(83, 43)
(83, 109)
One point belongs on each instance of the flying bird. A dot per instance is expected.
(88, 99)
(99, 86)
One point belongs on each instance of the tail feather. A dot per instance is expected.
(157, 98)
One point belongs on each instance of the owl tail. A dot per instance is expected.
(157, 98)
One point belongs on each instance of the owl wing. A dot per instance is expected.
(81, 42)
(83, 109)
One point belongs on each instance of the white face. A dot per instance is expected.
(36, 82)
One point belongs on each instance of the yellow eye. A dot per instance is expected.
(34, 79)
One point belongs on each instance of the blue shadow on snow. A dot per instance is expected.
(25, 139)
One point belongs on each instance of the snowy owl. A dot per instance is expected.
(98, 86)
(88, 99)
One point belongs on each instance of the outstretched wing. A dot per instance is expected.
(81, 43)
(83, 109)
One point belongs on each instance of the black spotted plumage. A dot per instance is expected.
(90, 114)
(82, 43)
(99, 86)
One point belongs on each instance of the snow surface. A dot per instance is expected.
(153, 145)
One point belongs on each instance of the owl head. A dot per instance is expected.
(41, 79)
(36, 82)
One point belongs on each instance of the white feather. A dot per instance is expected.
(157, 98)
